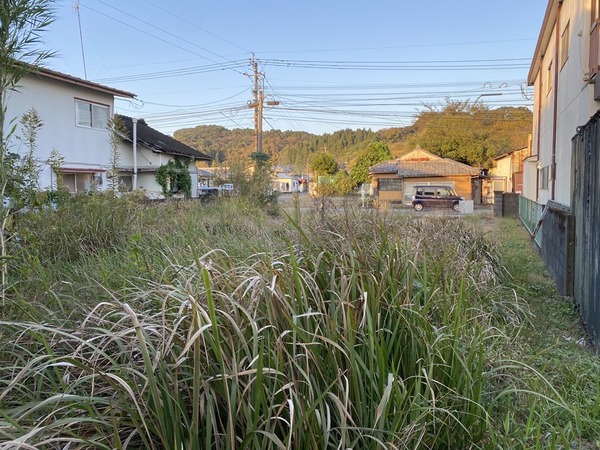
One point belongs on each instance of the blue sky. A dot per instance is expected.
(331, 65)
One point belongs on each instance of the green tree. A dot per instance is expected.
(323, 164)
(471, 132)
(21, 25)
(116, 128)
(28, 172)
(343, 183)
(58, 191)
(374, 153)
(254, 182)
(455, 132)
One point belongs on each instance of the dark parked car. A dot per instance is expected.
(435, 196)
(208, 192)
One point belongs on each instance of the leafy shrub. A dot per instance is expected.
(85, 225)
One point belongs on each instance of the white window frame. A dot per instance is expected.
(544, 178)
(564, 45)
(549, 76)
(387, 184)
(81, 181)
(99, 114)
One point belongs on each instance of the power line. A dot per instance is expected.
(81, 39)
(290, 119)
(199, 105)
(162, 31)
(196, 26)
(435, 65)
(175, 72)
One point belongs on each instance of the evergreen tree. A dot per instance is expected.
(323, 164)
(374, 153)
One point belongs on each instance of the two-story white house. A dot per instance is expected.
(74, 113)
(563, 74)
(561, 187)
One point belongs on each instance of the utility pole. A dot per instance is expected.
(258, 102)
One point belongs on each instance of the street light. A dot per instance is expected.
(488, 94)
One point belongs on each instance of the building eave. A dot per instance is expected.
(543, 40)
(59, 76)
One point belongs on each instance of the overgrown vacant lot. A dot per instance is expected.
(182, 325)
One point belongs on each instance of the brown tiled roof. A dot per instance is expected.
(158, 141)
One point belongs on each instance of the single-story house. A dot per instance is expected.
(286, 182)
(393, 181)
(153, 149)
(212, 176)
(205, 178)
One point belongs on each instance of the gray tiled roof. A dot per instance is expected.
(441, 167)
(158, 141)
(423, 166)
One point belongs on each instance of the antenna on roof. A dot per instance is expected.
(76, 7)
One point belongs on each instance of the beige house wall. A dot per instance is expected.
(460, 183)
(563, 96)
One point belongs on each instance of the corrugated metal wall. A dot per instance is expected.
(586, 207)
(530, 213)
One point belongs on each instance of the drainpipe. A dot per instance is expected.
(539, 133)
(134, 181)
(555, 100)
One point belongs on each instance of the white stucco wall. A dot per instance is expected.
(530, 179)
(575, 102)
(82, 148)
(503, 168)
(147, 163)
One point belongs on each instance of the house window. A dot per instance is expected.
(390, 184)
(125, 182)
(78, 182)
(545, 177)
(595, 38)
(564, 46)
(549, 78)
(91, 115)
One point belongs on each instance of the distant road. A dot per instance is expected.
(307, 203)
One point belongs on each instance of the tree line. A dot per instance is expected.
(468, 132)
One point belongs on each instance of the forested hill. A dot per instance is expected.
(289, 148)
(470, 133)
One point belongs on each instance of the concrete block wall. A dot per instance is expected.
(510, 204)
(558, 246)
(498, 203)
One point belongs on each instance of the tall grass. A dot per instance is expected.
(350, 332)
(71, 258)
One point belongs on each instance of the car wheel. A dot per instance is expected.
(418, 207)
(456, 207)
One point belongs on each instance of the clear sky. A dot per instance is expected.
(331, 65)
